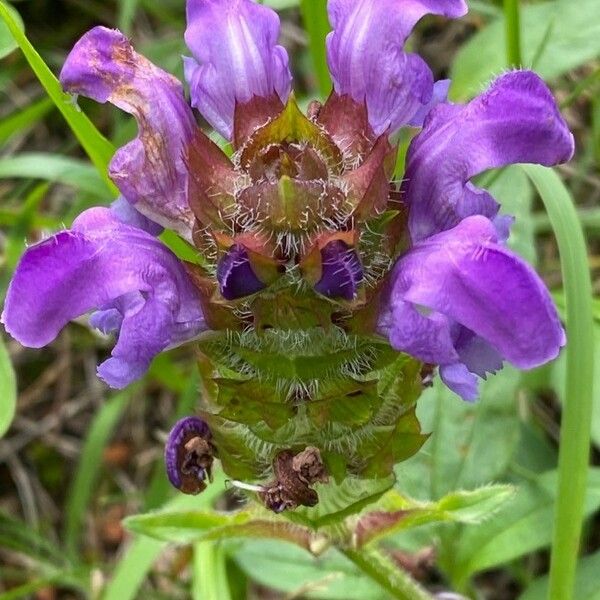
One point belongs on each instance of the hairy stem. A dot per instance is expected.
(388, 575)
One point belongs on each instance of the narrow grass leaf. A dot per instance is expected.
(8, 389)
(89, 467)
(97, 147)
(135, 564)
(24, 119)
(578, 401)
(7, 41)
(55, 168)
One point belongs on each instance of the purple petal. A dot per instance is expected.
(139, 286)
(342, 271)
(235, 44)
(149, 171)
(127, 213)
(462, 298)
(516, 120)
(236, 277)
(367, 61)
(440, 94)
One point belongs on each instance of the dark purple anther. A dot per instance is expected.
(342, 271)
(235, 275)
(189, 455)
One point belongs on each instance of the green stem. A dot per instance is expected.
(574, 446)
(390, 577)
(513, 32)
(316, 23)
(210, 574)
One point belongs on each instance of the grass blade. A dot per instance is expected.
(97, 147)
(577, 406)
(22, 120)
(55, 168)
(316, 23)
(82, 486)
(8, 390)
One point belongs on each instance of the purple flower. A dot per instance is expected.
(235, 44)
(140, 288)
(367, 59)
(461, 300)
(150, 170)
(302, 223)
(515, 121)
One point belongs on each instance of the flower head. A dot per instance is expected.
(305, 239)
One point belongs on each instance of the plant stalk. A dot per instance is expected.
(574, 448)
(513, 33)
(388, 575)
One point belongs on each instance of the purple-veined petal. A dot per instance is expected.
(440, 94)
(127, 213)
(236, 277)
(234, 43)
(149, 171)
(139, 286)
(367, 61)
(460, 297)
(342, 272)
(516, 120)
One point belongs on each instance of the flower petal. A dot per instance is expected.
(367, 60)
(342, 272)
(235, 44)
(149, 171)
(236, 277)
(516, 120)
(463, 278)
(140, 286)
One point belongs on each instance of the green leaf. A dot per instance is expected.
(395, 512)
(8, 389)
(295, 571)
(574, 40)
(88, 469)
(524, 526)
(586, 582)
(184, 527)
(142, 553)
(98, 148)
(7, 42)
(470, 444)
(55, 168)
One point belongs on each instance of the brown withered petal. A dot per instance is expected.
(294, 474)
(189, 454)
